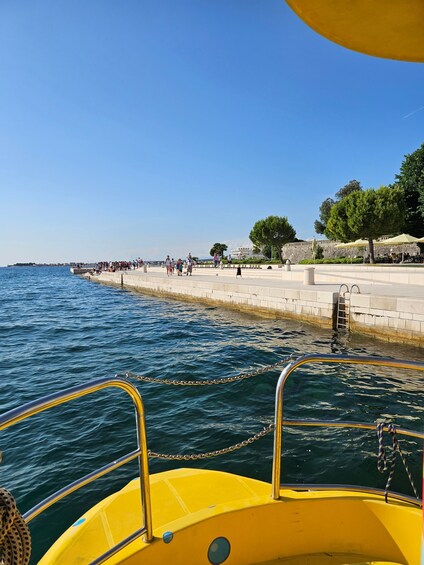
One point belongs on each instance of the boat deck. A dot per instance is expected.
(206, 517)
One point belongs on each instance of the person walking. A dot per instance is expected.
(179, 268)
(189, 264)
(168, 265)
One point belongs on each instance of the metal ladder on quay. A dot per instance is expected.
(343, 306)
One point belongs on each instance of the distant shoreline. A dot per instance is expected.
(40, 265)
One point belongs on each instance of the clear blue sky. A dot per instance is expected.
(147, 127)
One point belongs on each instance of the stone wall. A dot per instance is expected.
(295, 252)
(303, 250)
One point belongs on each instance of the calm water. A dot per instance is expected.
(57, 330)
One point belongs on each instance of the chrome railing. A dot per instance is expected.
(280, 422)
(18, 414)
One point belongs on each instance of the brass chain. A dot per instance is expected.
(221, 381)
(196, 456)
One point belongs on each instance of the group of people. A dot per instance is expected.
(113, 266)
(217, 260)
(393, 257)
(217, 263)
(179, 266)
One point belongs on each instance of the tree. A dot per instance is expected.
(317, 250)
(324, 214)
(325, 208)
(219, 249)
(411, 180)
(274, 231)
(351, 186)
(367, 214)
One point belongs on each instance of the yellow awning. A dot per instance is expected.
(357, 243)
(399, 240)
(391, 29)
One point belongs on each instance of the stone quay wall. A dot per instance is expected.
(393, 318)
(392, 310)
(310, 305)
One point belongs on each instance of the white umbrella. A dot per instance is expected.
(351, 244)
(401, 239)
(314, 248)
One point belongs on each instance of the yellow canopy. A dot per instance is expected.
(399, 240)
(357, 243)
(391, 29)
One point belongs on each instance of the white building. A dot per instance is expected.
(244, 253)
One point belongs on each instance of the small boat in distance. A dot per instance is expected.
(200, 516)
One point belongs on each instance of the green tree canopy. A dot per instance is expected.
(274, 231)
(218, 248)
(325, 208)
(411, 180)
(351, 186)
(367, 214)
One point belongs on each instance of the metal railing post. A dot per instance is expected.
(35, 407)
(288, 370)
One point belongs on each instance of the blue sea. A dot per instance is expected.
(58, 330)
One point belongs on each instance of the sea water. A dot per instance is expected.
(58, 330)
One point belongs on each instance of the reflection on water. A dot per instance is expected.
(57, 330)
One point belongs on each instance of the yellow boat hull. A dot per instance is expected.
(214, 517)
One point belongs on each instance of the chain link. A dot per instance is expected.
(210, 382)
(224, 380)
(217, 452)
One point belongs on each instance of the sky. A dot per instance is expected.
(146, 127)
